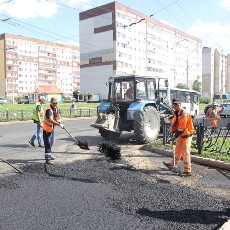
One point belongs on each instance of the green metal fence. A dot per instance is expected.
(24, 115)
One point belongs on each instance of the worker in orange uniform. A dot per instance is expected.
(182, 129)
(213, 114)
(52, 118)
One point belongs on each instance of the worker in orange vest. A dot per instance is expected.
(213, 114)
(52, 118)
(182, 129)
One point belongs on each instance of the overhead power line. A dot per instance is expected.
(5, 2)
(19, 24)
(74, 8)
(198, 25)
(14, 22)
(142, 19)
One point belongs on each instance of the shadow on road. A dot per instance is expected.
(187, 215)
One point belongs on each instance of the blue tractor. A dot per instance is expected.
(133, 104)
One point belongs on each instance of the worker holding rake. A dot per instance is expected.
(182, 129)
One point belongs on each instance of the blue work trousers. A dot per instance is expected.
(48, 138)
(38, 134)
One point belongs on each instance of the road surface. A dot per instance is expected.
(85, 190)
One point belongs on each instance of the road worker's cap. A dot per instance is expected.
(176, 101)
(214, 103)
(42, 98)
(54, 100)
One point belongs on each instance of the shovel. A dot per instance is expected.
(81, 144)
(174, 169)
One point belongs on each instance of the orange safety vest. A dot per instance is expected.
(212, 114)
(47, 124)
(183, 122)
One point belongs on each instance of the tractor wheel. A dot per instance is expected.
(147, 128)
(108, 135)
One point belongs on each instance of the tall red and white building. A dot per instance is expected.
(115, 40)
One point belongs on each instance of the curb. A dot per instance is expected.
(30, 121)
(197, 159)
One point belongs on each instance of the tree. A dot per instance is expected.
(196, 86)
(76, 93)
(181, 86)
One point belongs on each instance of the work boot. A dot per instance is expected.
(175, 169)
(49, 162)
(41, 146)
(185, 174)
(169, 166)
(32, 143)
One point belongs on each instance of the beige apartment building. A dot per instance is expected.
(116, 40)
(27, 63)
(215, 72)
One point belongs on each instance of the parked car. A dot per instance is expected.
(206, 108)
(23, 101)
(3, 100)
(9, 100)
(226, 113)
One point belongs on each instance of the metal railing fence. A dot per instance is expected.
(23, 115)
(206, 138)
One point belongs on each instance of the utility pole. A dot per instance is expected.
(187, 70)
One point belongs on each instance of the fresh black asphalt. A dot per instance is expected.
(101, 194)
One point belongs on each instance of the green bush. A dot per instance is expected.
(205, 100)
(67, 101)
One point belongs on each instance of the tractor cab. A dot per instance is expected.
(132, 88)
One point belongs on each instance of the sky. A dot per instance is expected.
(58, 20)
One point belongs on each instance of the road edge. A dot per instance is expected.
(197, 159)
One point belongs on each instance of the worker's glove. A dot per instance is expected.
(173, 139)
(62, 126)
(170, 117)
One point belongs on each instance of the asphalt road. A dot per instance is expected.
(85, 190)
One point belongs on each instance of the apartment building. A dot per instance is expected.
(116, 40)
(214, 72)
(27, 63)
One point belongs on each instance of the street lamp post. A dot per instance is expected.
(177, 44)
(187, 70)
(12, 85)
(187, 64)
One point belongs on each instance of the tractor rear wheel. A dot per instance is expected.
(147, 128)
(109, 135)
